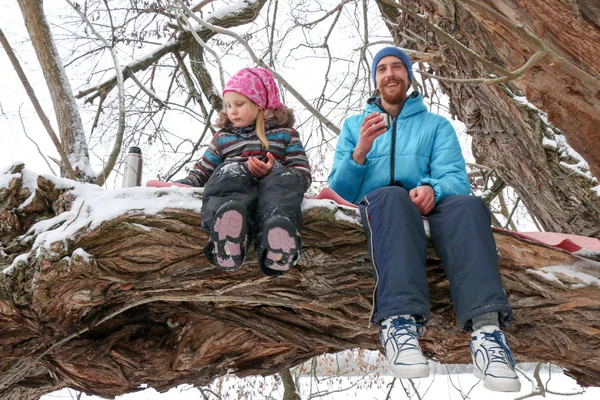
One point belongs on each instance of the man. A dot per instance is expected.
(397, 174)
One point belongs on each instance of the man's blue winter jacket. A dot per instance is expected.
(421, 148)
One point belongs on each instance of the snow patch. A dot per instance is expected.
(546, 275)
(6, 179)
(549, 143)
(571, 271)
(307, 204)
(22, 259)
(342, 216)
(83, 254)
(92, 206)
(559, 142)
(596, 189)
(143, 227)
(222, 12)
(6, 169)
(145, 58)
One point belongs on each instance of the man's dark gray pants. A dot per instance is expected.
(461, 233)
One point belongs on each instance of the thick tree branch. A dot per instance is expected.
(526, 34)
(70, 126)
(113, 302)
(464, 49)
(36, 105)
(535, 59)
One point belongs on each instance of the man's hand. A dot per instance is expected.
(371, 128)
(258, 168)
(424, 198)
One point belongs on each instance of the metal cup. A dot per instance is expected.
(387, 119)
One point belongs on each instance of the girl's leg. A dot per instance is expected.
(278, 221)
(229, 200)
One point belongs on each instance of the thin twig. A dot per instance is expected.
(34, 143)
(272, 34)
(389, 393)
(412, 384)
(533, 60)
(112, 158)
(262, 64)
(149, 92)
(509, 221)
(337, 8)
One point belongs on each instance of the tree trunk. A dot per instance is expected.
(134, 301)
(289, 386)
(67, 114)
(508, 135)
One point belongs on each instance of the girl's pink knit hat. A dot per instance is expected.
(257, 84)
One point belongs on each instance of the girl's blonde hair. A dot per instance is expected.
(260, 128)
(281, 118)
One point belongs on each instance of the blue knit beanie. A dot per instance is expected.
(396, 52)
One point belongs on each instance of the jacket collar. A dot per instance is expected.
(413, 105)
(250, 129)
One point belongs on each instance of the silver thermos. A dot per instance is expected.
(132, 170)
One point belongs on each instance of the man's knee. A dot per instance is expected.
(389, 194)
(464, 200)
(466, 204)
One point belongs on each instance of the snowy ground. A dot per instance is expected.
(359, 374)
(458, 386)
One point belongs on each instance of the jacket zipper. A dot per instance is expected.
(393, 155)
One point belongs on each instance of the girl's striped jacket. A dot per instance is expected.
(233, 144)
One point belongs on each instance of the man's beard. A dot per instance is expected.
(396, 98)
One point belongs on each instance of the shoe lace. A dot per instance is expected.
(499, 349)
(408, 330)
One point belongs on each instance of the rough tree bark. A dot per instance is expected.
(507, 134)
(134, 301)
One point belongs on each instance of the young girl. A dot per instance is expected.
(254, 172)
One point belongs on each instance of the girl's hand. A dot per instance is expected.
(259, 168)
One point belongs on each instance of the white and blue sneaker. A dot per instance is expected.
(493, 362)
(400, 339)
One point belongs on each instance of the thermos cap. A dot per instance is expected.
(135, 150)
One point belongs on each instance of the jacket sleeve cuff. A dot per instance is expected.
(434, 184)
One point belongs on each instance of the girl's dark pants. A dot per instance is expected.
(277, 194)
